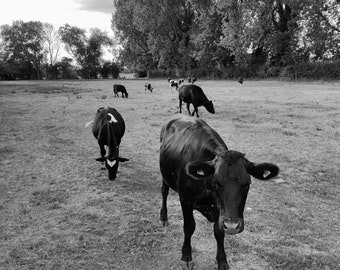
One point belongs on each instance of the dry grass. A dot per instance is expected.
(59, 211)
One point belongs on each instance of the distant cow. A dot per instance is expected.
(175, 84)
(192, 79)
(120, 88)
(196, 163)
(108, 128)
(194, 94)
(148, 87)
(240, 80)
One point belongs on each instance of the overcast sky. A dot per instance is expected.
(82, 13)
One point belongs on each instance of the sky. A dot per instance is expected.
(81, 13)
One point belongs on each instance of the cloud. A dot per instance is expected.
(103, 6)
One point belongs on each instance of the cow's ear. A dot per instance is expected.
(101, 159)
(262, 171)
(199, 170)
(121, 159)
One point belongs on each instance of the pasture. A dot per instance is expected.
(58, 210)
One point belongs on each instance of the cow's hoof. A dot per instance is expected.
(222, 265)
(187, 265)
(164, 223)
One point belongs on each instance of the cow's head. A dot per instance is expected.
(210, 107)
(111, 164)
(229, 180)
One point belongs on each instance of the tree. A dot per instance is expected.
(87, 51)
(157, 34)
(66, 69)
(95, 44)
(129, 23)
(205, 34)
(52, 43)
(251, 35)
(321, 29)
(23, 46)
(109, 68)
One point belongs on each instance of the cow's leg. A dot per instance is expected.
(220, 257)
(102, 154)
(189, 228)
(164, 209)
(188, 108)
(195, 110)
(180, 106)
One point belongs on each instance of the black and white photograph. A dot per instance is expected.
(169, 134)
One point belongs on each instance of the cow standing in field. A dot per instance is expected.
(194, 94)
(148, 87)
(175, 84)
(120, 88)
(108, 128)
(196, 163)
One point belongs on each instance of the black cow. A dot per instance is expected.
(192, 79)
(148, 87)
(194, 94)
(240, 80)
(108, 128)
(120, 88)
(196, 163)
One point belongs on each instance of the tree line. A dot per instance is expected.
(230, 38)
(31, 50)
(205, 38)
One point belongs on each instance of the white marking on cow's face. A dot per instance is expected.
(200, 172)
(111, 163)
(113, 119)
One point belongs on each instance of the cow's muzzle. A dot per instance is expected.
(232, 225)
(112, 173)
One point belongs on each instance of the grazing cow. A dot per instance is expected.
(108, 128)
(192, 79)
(148, 87)
(196, 163)
(240, 80)
(194, 94)
(120, 88)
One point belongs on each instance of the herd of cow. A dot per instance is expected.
(195, 162)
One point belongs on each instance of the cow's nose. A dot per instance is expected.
(231, 226)
(112, 176)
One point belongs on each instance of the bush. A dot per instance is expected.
(157, 74)
(316, 71)
(140, 73)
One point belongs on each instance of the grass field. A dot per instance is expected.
(58, 210)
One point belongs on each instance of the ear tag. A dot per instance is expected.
(113, 119)
(266, 173)
(200, 172)
(111, 163)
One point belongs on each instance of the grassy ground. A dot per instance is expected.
(59, 211)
